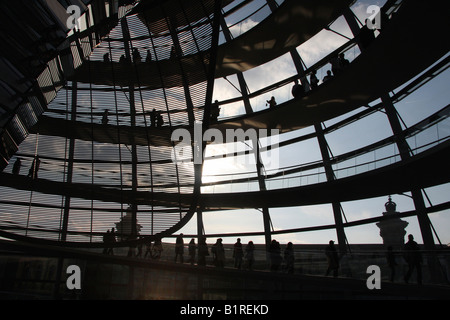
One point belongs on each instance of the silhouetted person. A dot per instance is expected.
(335, 65)
(391, 262)
(16, 167)
(366, 36)
(202, 251)
(122, 59)
(219, 253)
(313, 80)
(333, 259)
(148, 58)
(215, 111)
(158, 249)
(148, 249)
(112, 239)
(179, 247)
(106, 241)
(238, 254)
(139, 249)
(153, 118)
(275, 256)
(33, 172)
(159, 120)
(289, 258)
(105, 118)
(136, 55)
(328, 76)
(272, 103)
(342, 61)
(413, 258)
(297, 90)
(249, 255)
(106, 57)
(192, 250)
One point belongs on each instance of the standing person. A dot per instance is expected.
(215, 111)
(192, 247)
(148, 58)
(249, 254)
(105, 119)
(238, 254)
(179, 248)
(136, 55)
(153, 118)
(275, 256)
(159, 120)
(112, 239)
(343, 61)
(413, 258)
(336, 66)
(148, 248)
(33, 172)
(157, 249)
(139, 248)
(313, 80)
(106, 240)
(219, 253)
(328, 77)
(297, 90)
(202, 251)
(272, 103)
(333, 259)
(289, 258)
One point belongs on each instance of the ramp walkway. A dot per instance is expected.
(290, 25)
(427, 169)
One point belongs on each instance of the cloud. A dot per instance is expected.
(242, 27)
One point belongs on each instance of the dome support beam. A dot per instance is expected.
(419, 203)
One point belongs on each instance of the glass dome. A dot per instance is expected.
(121, 91)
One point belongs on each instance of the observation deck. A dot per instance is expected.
(162, 279)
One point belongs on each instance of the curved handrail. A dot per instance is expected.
(433, 123)
(281, 174)
(83, 190)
